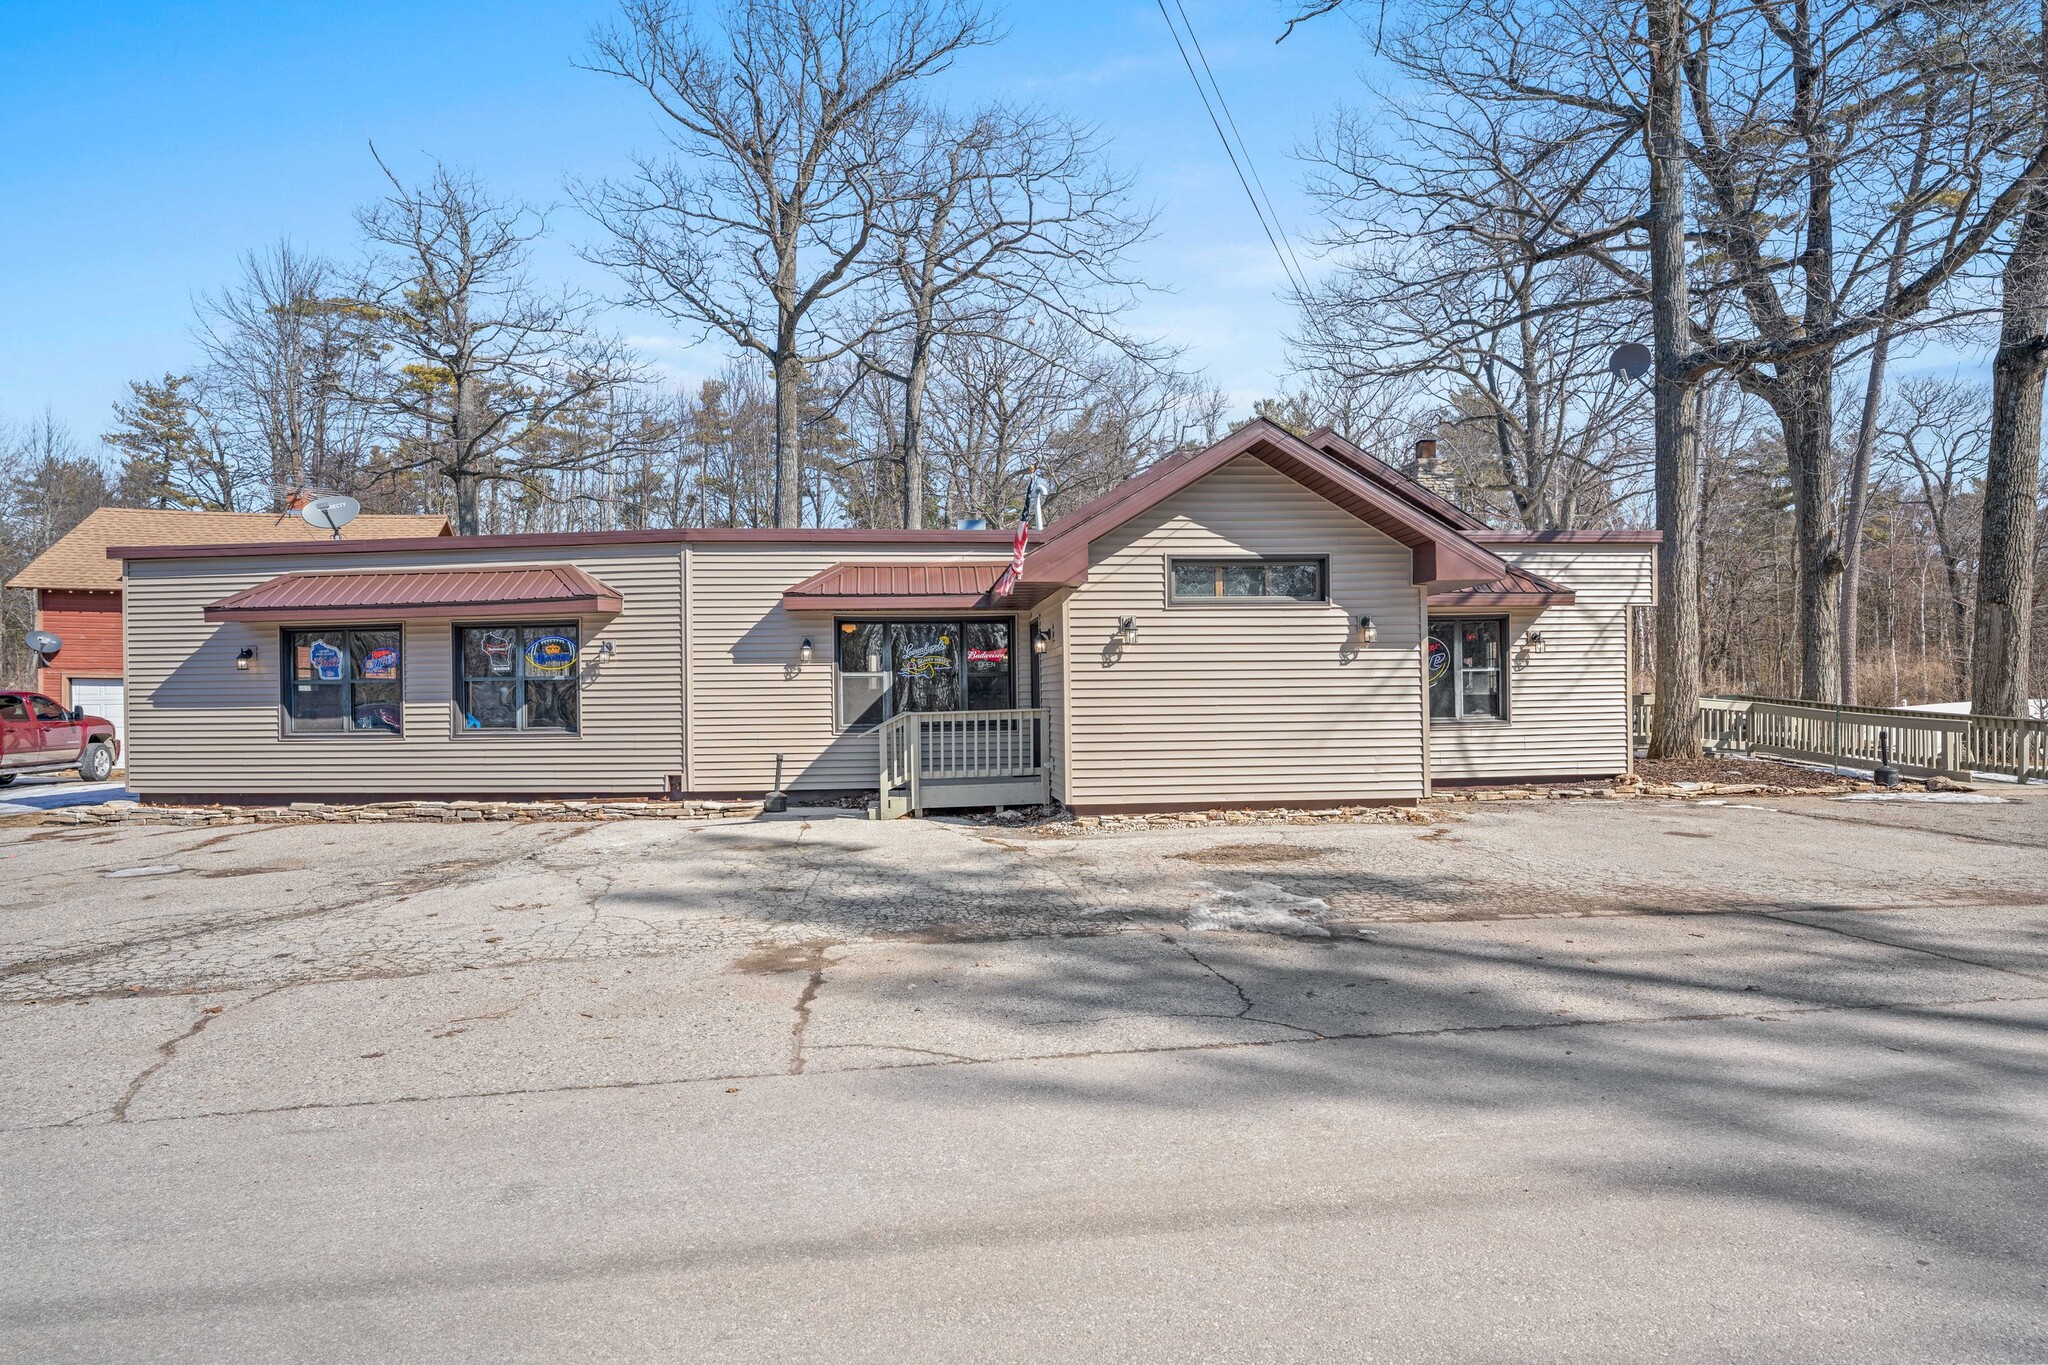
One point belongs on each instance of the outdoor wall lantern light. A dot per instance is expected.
(804, 651)
(243, 659)
(1533, 642)
(1127, 629)
(605, 647)
(1367, 631)
(1041, 638)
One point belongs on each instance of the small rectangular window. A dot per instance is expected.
(520, 677)
(1299, 580)
(1464, 669)
(345, 681)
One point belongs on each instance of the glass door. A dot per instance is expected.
(924, 657)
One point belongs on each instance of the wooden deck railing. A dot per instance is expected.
(951, 759)
(1921, 743)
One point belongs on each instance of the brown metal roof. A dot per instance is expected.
(945, 585)
(1440, 553)
(529, 590)
(1516, 588)
(79, 559)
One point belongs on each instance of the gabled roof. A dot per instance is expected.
(78, 559)
(906, 585)
(1516, 588)
(1441, 552)
(527, 590)
(1393, 480)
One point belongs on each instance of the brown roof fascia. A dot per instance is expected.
(571, 540)
(1566, 537)
(1441, 553)
(1393, 480)
(1518, 588)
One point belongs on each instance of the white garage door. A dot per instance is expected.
(104, 697)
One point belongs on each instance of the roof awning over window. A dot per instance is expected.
(530, 591)
(1517, 588)
(902, 586)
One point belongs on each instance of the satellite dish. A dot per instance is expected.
(1631, 360)
(331, 512)
(43, 643)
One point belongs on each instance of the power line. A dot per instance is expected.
(1250, 162)
(1258, 211)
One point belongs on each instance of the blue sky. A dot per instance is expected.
(148, 145)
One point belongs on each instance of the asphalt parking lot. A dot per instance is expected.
(1614, 1080)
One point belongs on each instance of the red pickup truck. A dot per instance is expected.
(39, 736)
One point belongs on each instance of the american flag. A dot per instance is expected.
(1009, 578)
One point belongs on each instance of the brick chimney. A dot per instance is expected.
(1427, 472)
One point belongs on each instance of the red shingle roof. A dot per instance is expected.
(530, 590)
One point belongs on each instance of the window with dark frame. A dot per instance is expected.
(519, 676)
(886, 668)
(1466, 680)
(1297, 580)
(345, 681)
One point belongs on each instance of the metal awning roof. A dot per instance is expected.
(528, 590)
(1516, 588)
(904, 585)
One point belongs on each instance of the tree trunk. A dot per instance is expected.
(789, 439)
(1674, 723)
(1859, 501)
(462, 436)
(914, 380)
(1803, 395)
(2001, 674)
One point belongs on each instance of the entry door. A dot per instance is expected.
(925, 657)
(107, 699)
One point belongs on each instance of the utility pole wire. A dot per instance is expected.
(1286, 240)
(1300, 287)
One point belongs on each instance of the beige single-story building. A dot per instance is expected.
(1276, 620)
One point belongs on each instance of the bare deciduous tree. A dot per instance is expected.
(779, 118)
(1008, 213)
(2001, 683)
(473, 360)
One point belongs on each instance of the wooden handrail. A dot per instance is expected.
(1923, 743)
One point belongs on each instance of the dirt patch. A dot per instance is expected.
(1733, 772)
(1251, 855)
(775, 959)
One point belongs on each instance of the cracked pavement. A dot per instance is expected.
(945, 1035)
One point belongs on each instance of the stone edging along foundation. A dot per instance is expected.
(1047, 820)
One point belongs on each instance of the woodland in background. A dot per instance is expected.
(921, 303)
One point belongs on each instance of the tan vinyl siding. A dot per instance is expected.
(202, 726)
(1052, 687)
(1568, 706)
(1244, 700)
(751, 701)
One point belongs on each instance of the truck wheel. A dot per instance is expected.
(96, 762)
(7, 779)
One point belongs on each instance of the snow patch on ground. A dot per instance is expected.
(1259, 908)
(1943, 798)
